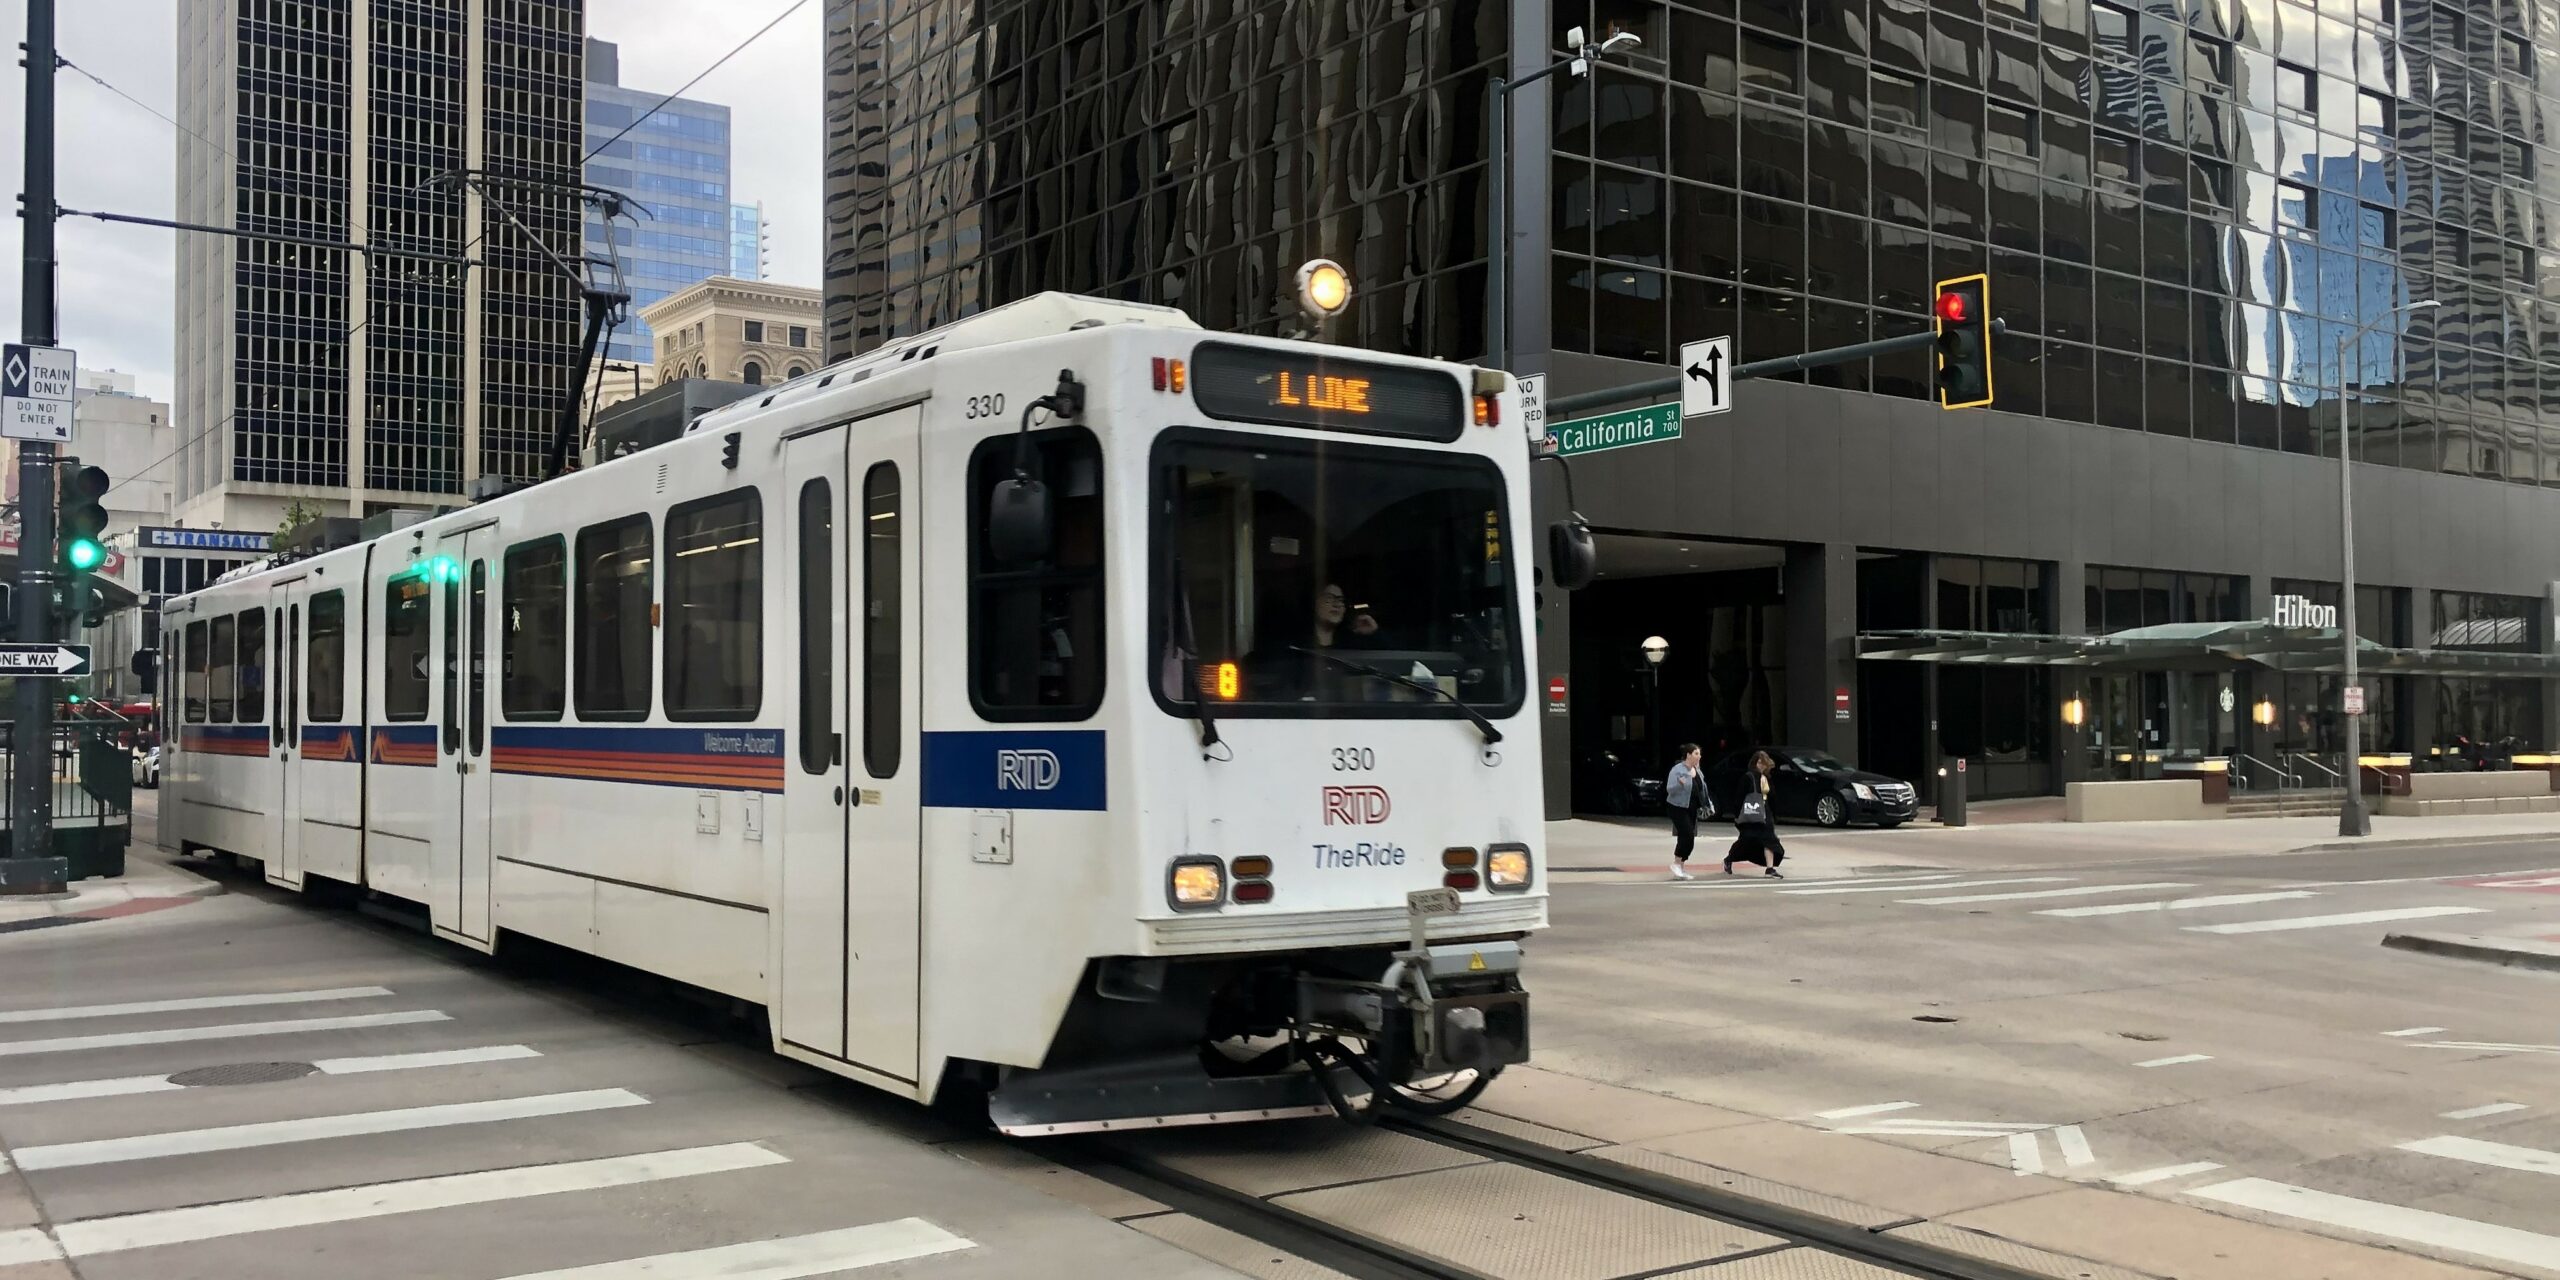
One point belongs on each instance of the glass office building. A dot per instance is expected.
(2215, 229)
(746, 241)
(674, 164)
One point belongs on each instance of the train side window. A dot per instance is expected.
(252, 669)
(817, 626)
(479, 702)
(221, 669)
(714, 615)
(404, 647)
(883, 621)
(325, 673)
(533, 683)
(1035, 630)
(192, 692)
(452, 721)
(613, 620)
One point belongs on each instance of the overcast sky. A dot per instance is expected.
(116, 281)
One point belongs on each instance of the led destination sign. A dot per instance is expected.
(1290, 389)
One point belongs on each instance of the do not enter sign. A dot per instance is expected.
(1555, 695)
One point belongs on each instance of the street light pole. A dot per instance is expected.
(2353, 818)
(1497, 212)
(31, 867)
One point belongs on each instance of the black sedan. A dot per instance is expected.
(1812, 785)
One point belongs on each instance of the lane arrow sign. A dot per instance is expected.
(1707, 367)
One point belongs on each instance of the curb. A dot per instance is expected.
(2428, 842)
(2513, 953)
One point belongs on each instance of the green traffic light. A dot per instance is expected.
(84, 555)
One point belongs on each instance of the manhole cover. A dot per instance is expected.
(243, 1073)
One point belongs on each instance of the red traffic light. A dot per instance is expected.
(1952, 307)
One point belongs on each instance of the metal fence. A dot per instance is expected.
(91, 763)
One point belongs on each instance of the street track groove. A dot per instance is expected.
(1265, 1216)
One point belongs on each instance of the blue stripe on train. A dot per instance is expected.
(1015, 769)
(639, 739)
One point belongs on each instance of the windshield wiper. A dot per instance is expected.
(1189, 643)
(1484, 726)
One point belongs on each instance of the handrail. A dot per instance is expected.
(2307, 758)
(2282, 776)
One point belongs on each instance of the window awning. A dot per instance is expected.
(2198, 646)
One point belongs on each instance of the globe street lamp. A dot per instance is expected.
(1655, 648)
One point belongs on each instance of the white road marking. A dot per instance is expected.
(277, 1132)
(2085, 891)
(227, 1031)
(122, 1086)
(348, 1204)
(431, 1058)
(2416, 1031)
(2449, 875)
(68, 1012)
(2482, 1046)
(1717, 880)
(1870, 1109)
(2474, 1113)
(2024, 1156)
(2331, 922)
(31, 1244)
(790, 1258)
(2499, 1154)
(2416, 1226)
(1960, 884)
(1924, 1129)
(2074, 1145)
(2181, 1058)
(2178, 904)
(2164, 1173)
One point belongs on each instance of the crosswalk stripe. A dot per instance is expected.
(790, 1258)
(65, 1155)
(2331, 922)
(2085, 891)
(2416, 1031)
(227, 1031)
(382, 1199)
(1873, 1108)
(2474, 1113)
(2164, 1173)
(1961, 884)
(2488, 1046)
(66, 1013)
(2180, 1060)
(121, 1086)
(2176, 904)
(2391, 1221)
(2499, 1154)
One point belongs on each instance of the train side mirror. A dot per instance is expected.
(1018, 520)
(1572, 560)
(146, 665)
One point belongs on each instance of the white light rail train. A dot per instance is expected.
(1069, 711)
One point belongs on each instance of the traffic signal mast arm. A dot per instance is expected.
(1659, 388)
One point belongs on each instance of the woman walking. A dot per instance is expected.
(1755, 830)
(1684, 793)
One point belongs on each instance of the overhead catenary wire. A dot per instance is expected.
(794, 7)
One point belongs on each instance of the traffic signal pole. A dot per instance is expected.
(1561, 407)
(31, 866)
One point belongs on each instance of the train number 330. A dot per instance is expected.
(986, 406)
(1354, 759)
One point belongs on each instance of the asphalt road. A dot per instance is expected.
(2222, 1030)
(246, 1087)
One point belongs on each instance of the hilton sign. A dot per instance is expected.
(2298, 611)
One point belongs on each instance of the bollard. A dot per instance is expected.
(1952, 778)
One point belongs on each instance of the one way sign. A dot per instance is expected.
(1706, 377)
(44, 659)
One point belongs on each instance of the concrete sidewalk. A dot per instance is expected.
(149, 883)
(1639, 846)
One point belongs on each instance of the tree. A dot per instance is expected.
(295, 517)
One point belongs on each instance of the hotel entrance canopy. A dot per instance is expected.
(2198, 646)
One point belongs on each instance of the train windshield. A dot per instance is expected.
(1304, 577)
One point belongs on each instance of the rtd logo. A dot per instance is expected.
(1026, 770)
(1356, 806)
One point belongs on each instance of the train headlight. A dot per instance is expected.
(1507, 868)
(1195, 883)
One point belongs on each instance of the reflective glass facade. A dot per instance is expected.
(674, 164)
(746, 241)
(1176, 152)
(2186, 207)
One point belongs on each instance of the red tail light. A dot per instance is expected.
(1462, 880)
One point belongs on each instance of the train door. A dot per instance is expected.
(852, 863)
(460, 885)
(284, 605)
